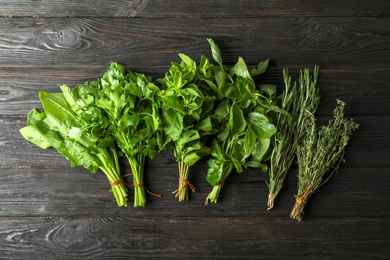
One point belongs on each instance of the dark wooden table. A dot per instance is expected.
(51, 211)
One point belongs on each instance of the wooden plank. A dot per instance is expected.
(149, 43)
(192, 9)
(161, 238)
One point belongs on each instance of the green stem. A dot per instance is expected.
(182, 191)
(110, 167)
(137, 169)
(214, 194)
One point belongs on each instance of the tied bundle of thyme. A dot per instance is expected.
(297, 99)
(320, 152)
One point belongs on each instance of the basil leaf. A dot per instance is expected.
(236, 119)
(215, 51)
(173, 123)
(260, 125)
(261, 68)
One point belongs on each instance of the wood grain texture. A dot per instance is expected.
(164, 238)
(49, 210)
(192, 8)
(146, 43)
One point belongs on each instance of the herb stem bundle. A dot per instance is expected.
(320, 152)
(295, 100)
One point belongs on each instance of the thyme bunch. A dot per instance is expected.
(297, 99)
(320, 152)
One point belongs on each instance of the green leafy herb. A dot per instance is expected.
(242, 120)
(77, 131)
(185, 116)
(128, 100)
(320, 152)
(296, 99)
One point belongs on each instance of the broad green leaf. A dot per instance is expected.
(178, 81)
(172, 123)
(222, 109)
(215, 171)
(246, 87)
(58, 110)
(268, 89)
(236, 119)
(205, 125)
(223, 133)
(258, 165)
(216, 150)
(241, 70)
(174, 103)
(260, 125)
(239, 151)
(260, 149)
(261, 68)
(215, 51)
(220, 77)
(186, 137)
(207, 105)
(188, 61)
(192, 157)
(31, 134)
(68, 95)
(230, 91)
(249, 142)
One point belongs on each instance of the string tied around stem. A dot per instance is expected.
(121, 180)
(186, 182)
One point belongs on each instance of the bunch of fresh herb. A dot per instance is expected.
(320, 151)
(242, 120)
(185, 115)
(296, 100)
(77, 129)
(132, 111)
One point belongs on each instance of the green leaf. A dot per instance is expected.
(214, 172)
(260, 149)
(230, 91)
(31, 134)
(188, 61)
(58, 110)
(172, 123)
(236, 119)
(205, 125)
(261, 68)
(222, 110)
(268, 89)
(257, 165)
(223, 133)
(249, 143)
(135, 89)
(260, 125)
(241, 70)
(186, 137)
(215, 51)
(191, 158)
(174, 103)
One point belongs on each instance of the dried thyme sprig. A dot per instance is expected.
(295, 100)
(320, 152)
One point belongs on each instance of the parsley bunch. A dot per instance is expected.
(128, 100)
